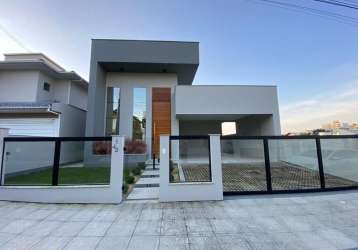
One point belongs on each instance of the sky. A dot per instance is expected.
(313, 60)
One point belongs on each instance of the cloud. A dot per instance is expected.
(315, 111)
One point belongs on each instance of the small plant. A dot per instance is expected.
(129, 179)
(125, 188)
(102, 147)
(126, 172)
(136, 171)
(135, 147)
(141, 165)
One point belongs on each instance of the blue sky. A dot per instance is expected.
(312, 60)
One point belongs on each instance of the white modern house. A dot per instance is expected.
(40, 98)
(148, 84)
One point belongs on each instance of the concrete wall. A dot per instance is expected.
(229, 102)
(72, 120)
(78, 96)
(95, 122)
(199, 127)
(127, 82)
(254, 125)
(187, 191)
(18, 86)
(61, 91)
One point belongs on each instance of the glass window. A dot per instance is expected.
(189, 160)
(228, 128)
(294, 164)
(340, 162)
(85, 162)
(113, 110)
(46, 86)
(28, 162)
(243, 165)
(139, 113)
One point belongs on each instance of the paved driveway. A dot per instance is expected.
(313, 221)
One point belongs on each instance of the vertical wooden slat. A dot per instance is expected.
(161, 115)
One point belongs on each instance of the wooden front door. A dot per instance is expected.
(161, 116)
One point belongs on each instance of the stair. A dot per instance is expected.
(147, 187)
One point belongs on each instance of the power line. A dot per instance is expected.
(308, 10)
(339, 3)
(2, 28)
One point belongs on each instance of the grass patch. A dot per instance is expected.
(67, 176)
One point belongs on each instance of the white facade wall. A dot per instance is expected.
(127, 82)
(18, 86)
(61, 91)
(72, 120)
(78, 96)
(27, 86)
(43, 95)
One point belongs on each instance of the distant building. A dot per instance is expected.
(40, 98)
(336, 124)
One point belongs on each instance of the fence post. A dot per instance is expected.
(56, 163)
(267, 165)
(320, 163)
(117, 165)
(4, 132)
(216, 164)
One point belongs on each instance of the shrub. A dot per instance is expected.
(135, 147)
(141, 165)
(102, 147)
(136, 171)
(126, 172)
(129, 179)
(125, 188)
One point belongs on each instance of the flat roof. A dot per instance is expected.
(147, 56)
(43, 67)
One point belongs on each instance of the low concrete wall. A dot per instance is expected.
(191, 191)
(75, 194)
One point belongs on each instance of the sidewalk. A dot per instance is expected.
(309, 221)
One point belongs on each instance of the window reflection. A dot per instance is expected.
(113, 110)
(139, 113)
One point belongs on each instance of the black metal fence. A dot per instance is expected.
(52, 161)
(269, 164)
(289, 164)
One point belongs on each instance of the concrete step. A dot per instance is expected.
(144, 193)
(150, 176)
(146, 185)
(151, 168)
(146, 181)
(150, 172)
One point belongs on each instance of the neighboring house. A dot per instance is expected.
(151, 81)
(40, 98)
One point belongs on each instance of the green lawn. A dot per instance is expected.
(67, 176)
